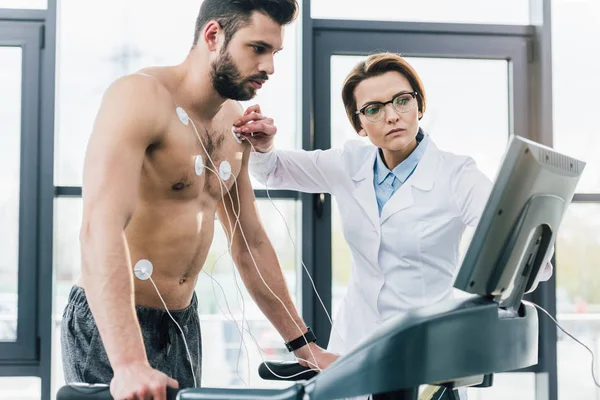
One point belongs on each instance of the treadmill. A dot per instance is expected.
(457, 342)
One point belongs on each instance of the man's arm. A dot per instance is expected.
(126, 124)
(259, 267)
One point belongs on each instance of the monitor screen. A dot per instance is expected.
(518, 227)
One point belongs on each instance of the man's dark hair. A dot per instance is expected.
(235, 14)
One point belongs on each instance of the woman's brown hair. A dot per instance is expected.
(375, 65)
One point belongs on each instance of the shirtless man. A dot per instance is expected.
(148, 194)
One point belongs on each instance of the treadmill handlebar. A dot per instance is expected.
(96, 392)
(285, 371)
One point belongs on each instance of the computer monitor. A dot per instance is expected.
(532, 190)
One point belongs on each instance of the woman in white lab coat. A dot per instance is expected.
(404, 203)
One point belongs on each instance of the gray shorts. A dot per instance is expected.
(84, 358)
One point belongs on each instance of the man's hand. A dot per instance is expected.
(257, 129)
(321, 360)
(139, 381)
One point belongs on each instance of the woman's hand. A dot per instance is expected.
(256, 128)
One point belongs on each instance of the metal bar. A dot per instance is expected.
(423, 45)
(14, 369)
(309, 254)
(586, 198)
(322, 248)
(277, 194)
(22, 15)
(422, 27)
(67, 191)
(46, 202)
(542, 131)
(75, 191)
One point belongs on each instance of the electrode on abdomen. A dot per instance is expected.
(143, 269)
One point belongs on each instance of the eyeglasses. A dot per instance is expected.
(403, 103)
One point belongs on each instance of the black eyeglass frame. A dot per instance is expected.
(383, 104)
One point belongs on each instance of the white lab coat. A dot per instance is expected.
(411, 251)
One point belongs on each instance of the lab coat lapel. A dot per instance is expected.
(401, 200)
(364, 192)
(423, 178)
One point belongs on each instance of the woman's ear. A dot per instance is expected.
(362, 132)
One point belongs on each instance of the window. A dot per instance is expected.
(578, 298)
(20, 388)
(233, 363)
(576, 83)
(10, 145)
(463, 11)
(92, 53)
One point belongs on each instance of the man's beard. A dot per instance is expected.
(228, 82)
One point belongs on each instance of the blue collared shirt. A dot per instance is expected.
(388, 182)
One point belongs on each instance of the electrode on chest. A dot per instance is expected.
(198, 165)
(225, 170)
(237, 136)
(183, 117)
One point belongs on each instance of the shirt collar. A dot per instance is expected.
(406, 167)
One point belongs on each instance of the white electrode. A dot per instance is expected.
(143, 269)
(183, 117)
(198, 165)
(236, 135)
(225, 170)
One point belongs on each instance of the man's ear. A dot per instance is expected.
(212, 31)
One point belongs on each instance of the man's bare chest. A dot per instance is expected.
(195, 161)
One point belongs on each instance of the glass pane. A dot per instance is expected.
(10, 150)
(480, 87)
(20, 388)
(87, 46)
(576, 83)
(578, 299)
(24, 4)
(221, 297)
(462, 11)
(227, 296)
(515, 386)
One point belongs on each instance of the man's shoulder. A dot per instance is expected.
(139, 104)
(140, 88)
(230, 112)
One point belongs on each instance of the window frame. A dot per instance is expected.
(26, 35)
